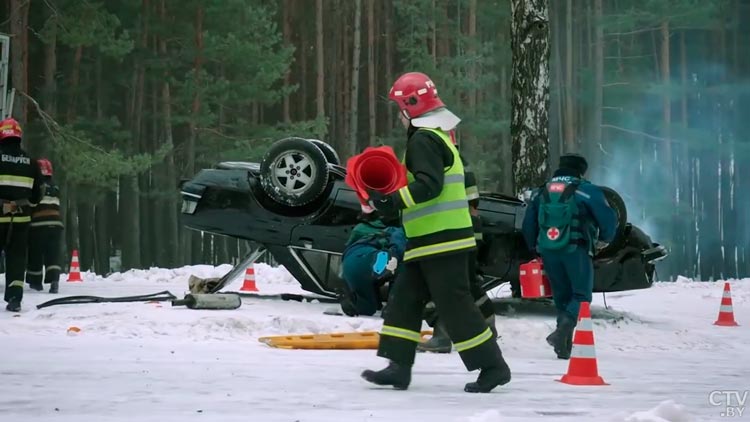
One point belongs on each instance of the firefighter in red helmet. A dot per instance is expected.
(20, 189)
(45, 235)
(440, 238)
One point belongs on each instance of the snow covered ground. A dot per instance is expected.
(656, 348)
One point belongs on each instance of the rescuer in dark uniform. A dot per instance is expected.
(45, 235)
(20, 183)
(440, 237)
(561, 225)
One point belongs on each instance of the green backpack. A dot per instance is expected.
(559, 225)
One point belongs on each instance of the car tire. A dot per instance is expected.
(616, 203)
(331, 156)
(294, 172)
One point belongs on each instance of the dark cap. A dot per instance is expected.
(575, 163)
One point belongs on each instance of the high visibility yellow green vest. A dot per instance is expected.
(448, 211)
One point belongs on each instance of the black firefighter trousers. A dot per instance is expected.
(444, 280)
(14, 242)
(44, 255)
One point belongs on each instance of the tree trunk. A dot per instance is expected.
(287, 34)
(389, 55)
(50, 65)
(473, 41)
(570, 118)
(596, 126)
(371, 94)
(128, 208)
(188, 238)
(354, 102)
(19, 58)
(319, 52)
(530, 87)
(166, 188)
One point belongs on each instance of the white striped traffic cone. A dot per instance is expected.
(726, 312)
(583, 368)
(75, 270)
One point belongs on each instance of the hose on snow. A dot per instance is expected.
(76, 300)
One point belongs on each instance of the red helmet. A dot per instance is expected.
(45, 166)
(9, 128)
(415, 95)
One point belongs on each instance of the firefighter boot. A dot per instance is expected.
(439, 343)
(490, 377)
(14, 305)
(396, 375)
(54, 287)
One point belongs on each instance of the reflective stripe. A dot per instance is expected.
(454, 245)
(402, 333)
(475, 341)
(50, 200)
(472, 192)
(435, 208)
(46, 224)
(406, 197)
(585, 325)
(19, 219)
(583, 194)
(17, 181)
(583, 351)
(478, 236)
(726, 294)
(29, 272)
(53, 268)
(454, 178)
(16, 283)
(726, 308)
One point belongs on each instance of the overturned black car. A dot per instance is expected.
(296, 204)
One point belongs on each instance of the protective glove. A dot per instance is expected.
(382, 203)
(601, 245)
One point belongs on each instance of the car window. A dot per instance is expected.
(325, 266)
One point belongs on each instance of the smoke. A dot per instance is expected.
(708, 155)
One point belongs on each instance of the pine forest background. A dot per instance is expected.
(130, 96)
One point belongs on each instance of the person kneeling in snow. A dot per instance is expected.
(372, 255)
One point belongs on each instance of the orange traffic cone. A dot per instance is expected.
(582, 367)
(726, 312)
(249, 284)
(75, 269)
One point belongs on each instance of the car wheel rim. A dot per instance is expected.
(293, 172)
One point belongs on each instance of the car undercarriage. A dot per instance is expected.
(297, 207)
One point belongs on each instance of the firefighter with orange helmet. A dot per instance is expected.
(20, 189)
(437, 222)
(45, 235)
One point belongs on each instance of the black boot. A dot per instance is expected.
(439, 343)
(563, 344)
(36, 286)
(552, 339)
(490, 377)
(54, 287)
(396, 375)
(14, 305)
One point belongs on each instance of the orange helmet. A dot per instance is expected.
(9, 128)
(45, 166)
